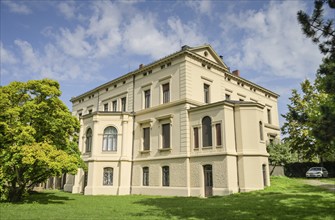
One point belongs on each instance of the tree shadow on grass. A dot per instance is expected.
(265, 205)
(46, 197)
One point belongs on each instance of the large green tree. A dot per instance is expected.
(321, 31)
(300, 123)
(38, 136)
(310, 121)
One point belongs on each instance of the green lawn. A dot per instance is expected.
(285, 199)
(328, 180)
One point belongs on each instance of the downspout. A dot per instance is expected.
(235, 135)
(133, 139)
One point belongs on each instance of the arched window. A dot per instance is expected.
(109, 139)
(261, 130)
(108, 176)
(89, 140)
(206, 131)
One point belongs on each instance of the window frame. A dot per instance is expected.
(166, 92)
(146, 143)
(166, 138)
(114, 106)
(145, 176)
(165, 176)
(261, 131)
(124, 104)
(147, 98)
(206, 93)
(218, 134)
(206, 126)
(88, 141)
(269, 116)
(106, 107)
(108, 176)
(196, 140)
(110, 138)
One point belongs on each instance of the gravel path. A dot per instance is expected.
(316, 182)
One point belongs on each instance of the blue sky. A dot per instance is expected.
(84, 44)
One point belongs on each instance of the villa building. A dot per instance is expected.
(183, 125)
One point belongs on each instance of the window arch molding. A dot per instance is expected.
(206, 125)
(109, 140)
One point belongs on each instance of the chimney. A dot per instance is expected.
(236, 73)
(141, 66)
(185, 47)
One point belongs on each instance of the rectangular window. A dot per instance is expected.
(108, 176)
(146, 138)
(123, 104)
(227, 97)
(145, 176)
(196, 137)
(114, 104)
(166, 135)
(166, 93)
(106, 107)
(90, 111)
(218, 134)
(206, 93)
(147, 98)
(165, 176)
(269, 115)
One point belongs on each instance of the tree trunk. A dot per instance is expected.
(273, 169)
(16, 193)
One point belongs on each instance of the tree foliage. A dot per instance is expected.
(301, 122)
(280, 154)
(319, 29)
(38, 136)
(310, 121)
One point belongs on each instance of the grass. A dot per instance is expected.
(285, 199)
(328, 180)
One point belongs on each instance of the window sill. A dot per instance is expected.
(109, 151)
(165, 149)
(145, 151)
(219, 146)
(209, 147)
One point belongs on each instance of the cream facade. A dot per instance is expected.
(183, 125)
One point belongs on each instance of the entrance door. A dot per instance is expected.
(208, 176)
(264, 174)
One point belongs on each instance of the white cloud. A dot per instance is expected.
(145, 36)
(272, 41)
(18, 7)
(68, 9)
(203, 7)
(186, 33)
(74, 43)
(53, 63)
(7, 57)
(104, 28)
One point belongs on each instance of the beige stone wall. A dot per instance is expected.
(237, 162)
